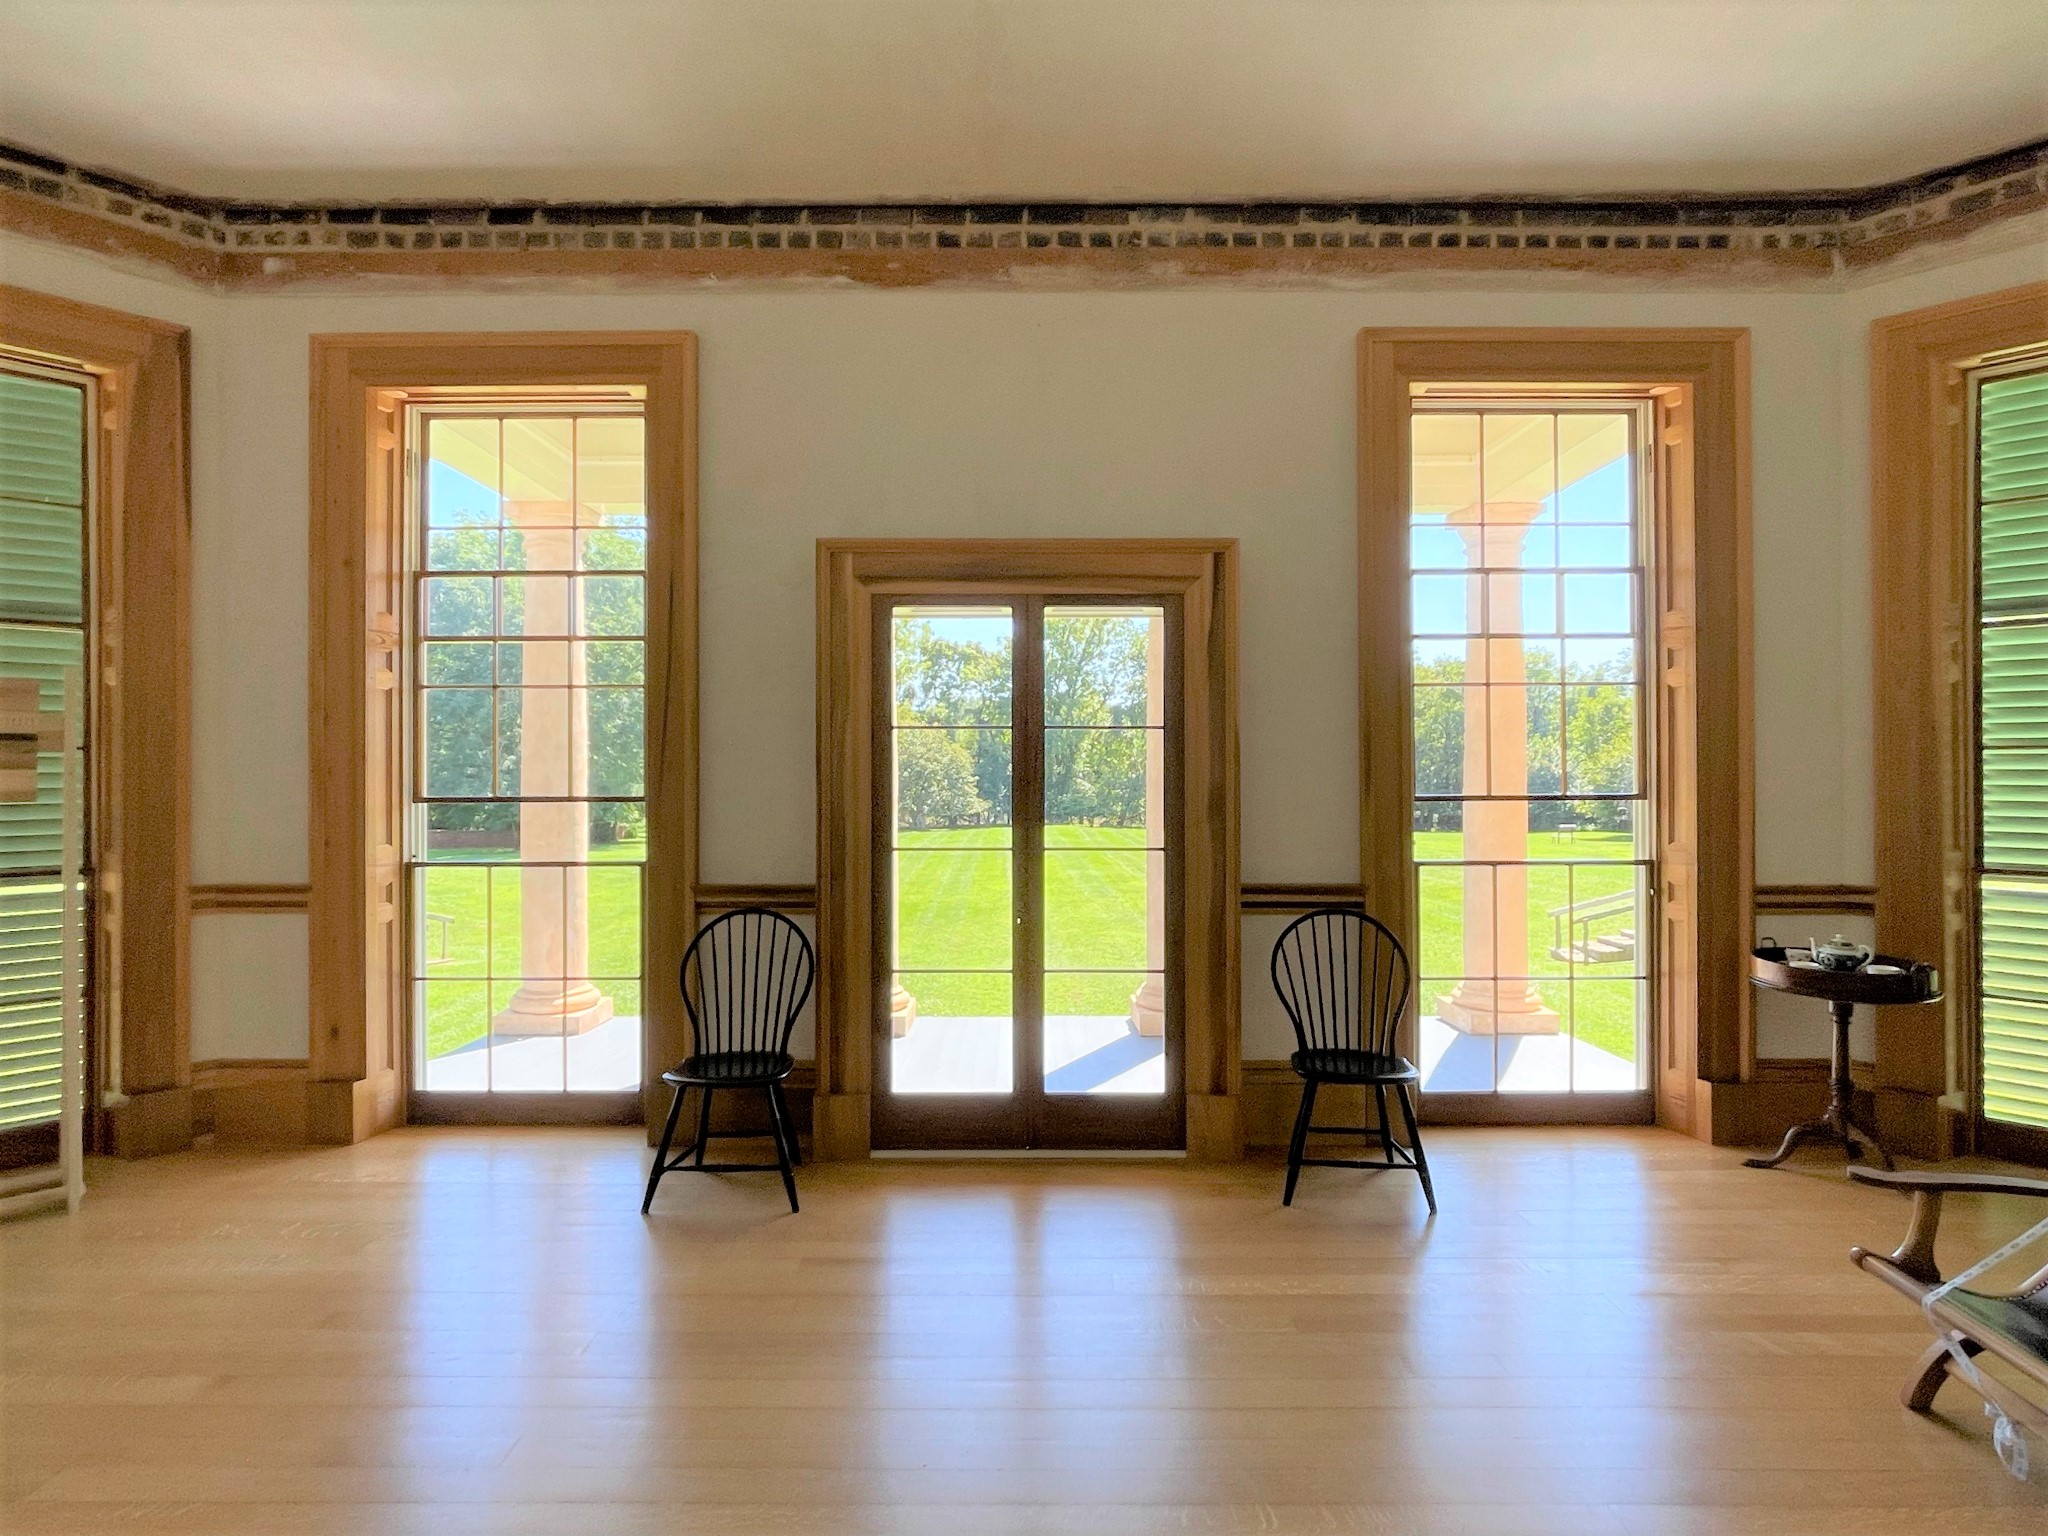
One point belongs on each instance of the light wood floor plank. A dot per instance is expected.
(1606, 1333)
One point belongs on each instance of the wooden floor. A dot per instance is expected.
(453, 1331)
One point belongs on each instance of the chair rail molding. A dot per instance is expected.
(207, 899)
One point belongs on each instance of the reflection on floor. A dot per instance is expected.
(1083, 1054)
(1453, 1062)
(454, 1333)
(607, 1057)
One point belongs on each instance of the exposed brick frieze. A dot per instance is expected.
(239, 240)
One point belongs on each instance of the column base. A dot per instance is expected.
(552, 1019)
(1497, 1021)
(1148, 1009)
(902, 1013)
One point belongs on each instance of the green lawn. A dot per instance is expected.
(476, 973)
(1600, 1001)
(953, 909)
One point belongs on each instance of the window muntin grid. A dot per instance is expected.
(1528, 605)
(528, 746)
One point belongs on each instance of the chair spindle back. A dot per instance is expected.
(1343, 978)
(745, 978)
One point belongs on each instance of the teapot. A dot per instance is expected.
(1840, 954)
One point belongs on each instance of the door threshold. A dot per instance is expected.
(1039, 1154)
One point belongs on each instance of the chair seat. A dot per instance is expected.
(732, 1069)
(1337, 1066)
(2022, 1319)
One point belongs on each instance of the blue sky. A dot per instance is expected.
(1584, 526)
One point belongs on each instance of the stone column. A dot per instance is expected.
(554, 759)
(1148, 1003)
(1496, 761)
(902, 1010)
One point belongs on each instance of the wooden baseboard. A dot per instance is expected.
(740, 1110)
(342, 1113)
(1215, 1127)
(149, 1124)
(1757, 1113)
(1917, 1124)
(250, 1102)
(839, 1126)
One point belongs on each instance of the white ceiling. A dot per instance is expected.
(849, 100)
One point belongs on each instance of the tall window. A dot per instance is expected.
(45, 624)
(1531, 825)
(2012, 722)
(527, 838)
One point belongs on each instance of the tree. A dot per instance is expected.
(935, 781)
(1582, 737)
(1439, 743)
(462, 619)
(1096, 674)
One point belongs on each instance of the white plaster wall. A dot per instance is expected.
(249, 985)
(1196, 411)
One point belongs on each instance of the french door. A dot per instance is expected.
(1027, 785)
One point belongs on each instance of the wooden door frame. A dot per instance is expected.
(1202, 574)
(1705, 1067)
(143, 704)
(1927, 1091)
(359, 1057)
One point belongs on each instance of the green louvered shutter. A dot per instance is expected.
(2012, 544)
(42, 632)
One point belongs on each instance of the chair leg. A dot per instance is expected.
(703, 1125)
(1299, 1140)
(1930, 1371)
(1415, 1143)
(783, 1136)
(668, 1134)
(796, 1151)
(1379, 1093)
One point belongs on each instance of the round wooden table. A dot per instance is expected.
(1910, 983)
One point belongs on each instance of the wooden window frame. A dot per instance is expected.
(852, 575)
(142, 1071)
(1705, 1069)
(359, 1062)
(1922, 506)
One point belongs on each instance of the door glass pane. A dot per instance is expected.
(1104, 867)
(1092, 1044)
(529, 838)
(1529, 903)
(952, 909)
